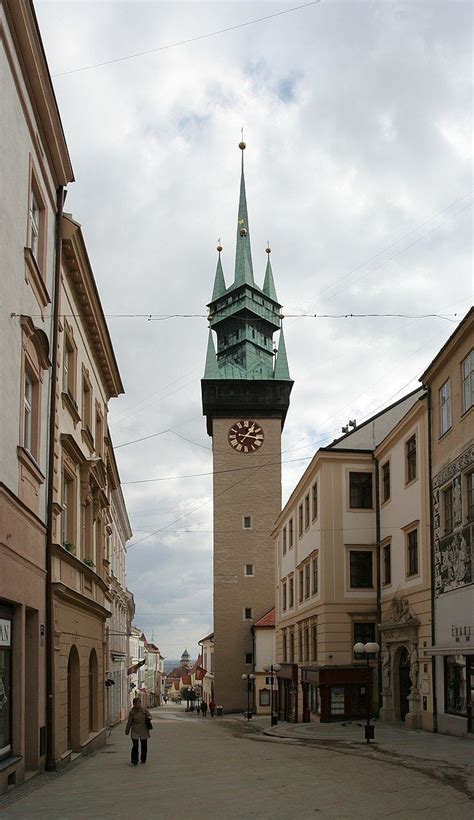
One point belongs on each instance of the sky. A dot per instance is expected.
(357, 118)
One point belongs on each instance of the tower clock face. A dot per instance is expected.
(246, 436)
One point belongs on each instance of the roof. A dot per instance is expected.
(209, 637)
(267, 621)
(462, 326)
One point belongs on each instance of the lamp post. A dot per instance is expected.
(368, 649)
(272, 668)
(250, 679)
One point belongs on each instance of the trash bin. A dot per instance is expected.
(219, 711)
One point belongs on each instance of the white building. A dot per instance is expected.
(264, 655)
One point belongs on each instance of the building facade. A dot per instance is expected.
(245, 391)
(265, 655)
(450, 381)
(207, 649)
(87, 378)
(34, 168)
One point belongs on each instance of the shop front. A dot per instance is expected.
(6, 619)
(335, 692)
(288, 692)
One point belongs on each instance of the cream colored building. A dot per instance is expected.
(87, 378)
(34, 168)
(207, 649)
(327, 579)
(265, 655)
(450, 381)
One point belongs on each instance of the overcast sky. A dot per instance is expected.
(357, 119)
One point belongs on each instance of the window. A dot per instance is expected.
(386, 481)
(285, 648)
(360, 491)
(300, 520)
(248, 658)
(315, 575)
(34, 226)
(314, 642)
(307, 580)
(470, 496)
(284, 596)
(99, 428)
(69, 510)
(290, 533)
(306, 643)
(445, 407)
(86, 404)
(248, 613)
(306, 512)
(315, 500)
(292, 647)
(247, 522)
(264, 696)
(455, 684)
(300, 645)
(411, 459)
(6, 616)
(361, 569)
(249, 569)
(387, 564)
(69, 365)
(300, 585)
(412, 553)
(28, 413)
(448, 508)
(364, 632)
(284, 540)
(291, 592)
(468, 382)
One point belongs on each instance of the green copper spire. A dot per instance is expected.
(268, 283)
(243, 253)
(211, 370)
(219, 281)
(281, 371)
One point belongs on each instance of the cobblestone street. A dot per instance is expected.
(225, 769)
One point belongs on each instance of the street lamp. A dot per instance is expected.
(368, 649)
(250, 679)
(272, 668)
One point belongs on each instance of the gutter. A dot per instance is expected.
(432, 559)
(50, 761)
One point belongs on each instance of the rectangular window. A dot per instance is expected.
(470, 496)
(247, 522)
(248, 658)
(306, 643)
(360, 485)
(249, 569)
(290, 533)
(315, 500)
(412, 553)
(69, 367)
(28, 413)
(314, 643)
(98, 432)
(284, 540)
(315, 575)
(86, 404)
(361, 569)
(387, 564)
(6, 678)
(284, 597)
(300, 645)
(455, 685)
(445, 420)
(411, 459)
(68, 514)
(248, 613)
(468, 382)
(300, 520)
(306, 512)
(364, 632)
(307, 580)
(448, 508)
(292, 647)
(300, 585)
(291, 592)
(34, 226)
(285, 648)
(386, 481)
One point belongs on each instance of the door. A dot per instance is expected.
(470, 692)
(404, 683)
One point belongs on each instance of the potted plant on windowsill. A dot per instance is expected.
(89, 562)
(69, 547)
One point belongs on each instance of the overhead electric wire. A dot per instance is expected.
(188, 40)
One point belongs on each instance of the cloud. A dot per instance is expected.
(357, 118)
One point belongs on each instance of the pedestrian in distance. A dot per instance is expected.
(138, 726)
(198, 707)
(204, 708)
(212, 707)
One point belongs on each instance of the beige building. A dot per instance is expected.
(34, 168)
(207, 684)
(265, 655)
(450, 382)
(84, 480)
(327, 576)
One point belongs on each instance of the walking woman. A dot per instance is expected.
(139, 725)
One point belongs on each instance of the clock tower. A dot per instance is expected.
(245, 395)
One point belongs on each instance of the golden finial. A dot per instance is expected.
(242, 144)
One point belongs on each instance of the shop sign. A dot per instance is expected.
(5, 632)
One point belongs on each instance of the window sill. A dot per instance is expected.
(361, 509)
(466, 412)
(412, 576)
(70, 404)
(29, 461)
(9, 761)
(34, 278)
(412, 481)
(446, 433)
(88, 438)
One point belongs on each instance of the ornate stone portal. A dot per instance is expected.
(399, 631)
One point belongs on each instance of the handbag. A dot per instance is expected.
(148, 723)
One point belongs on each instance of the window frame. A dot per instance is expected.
(284, 596)
(291, 534)
(354, 552)
(387, 576)
(300, 585)
(467, 379)
(315, 575)
(361, 638)
(248, 658)
(386, 481)
(448, 509)
(445, 408)
(412, 571)
(248, 613)
(300, 520)
(246, 518)
(291, 592)
(314, 499)
(284, 540)
(411, 459)
(367, 474)
(249, 574)
(307, 580)
(306, 511)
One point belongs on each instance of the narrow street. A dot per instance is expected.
(223, 769)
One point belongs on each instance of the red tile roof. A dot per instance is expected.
(268, 620)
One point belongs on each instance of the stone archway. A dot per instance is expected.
(401, 683)
(74, 700)
(399, 639)
(93, 692)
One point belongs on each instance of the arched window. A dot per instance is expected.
(93, 692)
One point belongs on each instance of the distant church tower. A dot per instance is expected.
(245, 395)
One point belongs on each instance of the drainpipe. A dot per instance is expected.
(50, 762)
(432, 560)
(378, 576)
